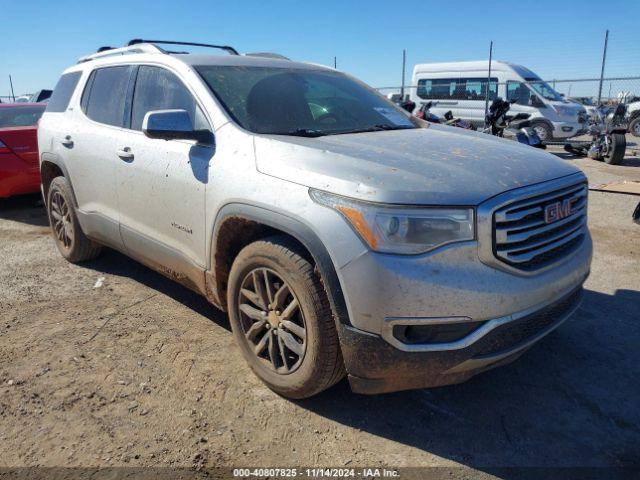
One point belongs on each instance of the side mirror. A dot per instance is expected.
(173, 125)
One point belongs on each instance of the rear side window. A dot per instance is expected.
(20, 116)
(59, 100)
(103, 99)
(159, 89)
(457, 88)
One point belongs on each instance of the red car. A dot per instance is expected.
(19, 168)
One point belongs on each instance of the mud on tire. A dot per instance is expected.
(275, 297)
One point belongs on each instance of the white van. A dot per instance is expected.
(461, 87)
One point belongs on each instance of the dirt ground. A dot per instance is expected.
(110, 364)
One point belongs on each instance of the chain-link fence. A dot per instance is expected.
(12, 99)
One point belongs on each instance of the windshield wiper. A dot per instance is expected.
(302, 132)
(374, 128)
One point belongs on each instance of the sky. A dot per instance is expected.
(556, 39)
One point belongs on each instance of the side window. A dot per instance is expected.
(476, 89)
(104, 96)
(159, 89)
(439, 89)
(520, 92)
(59, 100)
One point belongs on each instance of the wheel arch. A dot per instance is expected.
(544, 121)
(239, 224)
(50, 168)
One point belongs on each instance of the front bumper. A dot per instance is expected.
(439, 318)
(374, 366)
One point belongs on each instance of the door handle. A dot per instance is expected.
(67, 141)
(125, 153)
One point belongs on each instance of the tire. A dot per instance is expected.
(256, 314)
(67, 233)
(634, 126)
(543, 130)
(618, 149)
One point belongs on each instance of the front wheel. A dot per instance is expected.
(281, 318)
(617, 149)
(543, 131)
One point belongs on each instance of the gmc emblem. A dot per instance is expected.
(558, 210)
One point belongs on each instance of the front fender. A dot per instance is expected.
(302, 232)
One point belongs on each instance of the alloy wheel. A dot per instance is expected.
(541, 132)
(272, 320)
(61, 220)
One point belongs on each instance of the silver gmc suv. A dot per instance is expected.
(342, 235)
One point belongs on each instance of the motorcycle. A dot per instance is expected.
(498, 123)
(608, 141)
(424, 114)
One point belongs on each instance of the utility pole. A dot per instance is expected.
(12, 94)
(604, 59)
(404, 63)
(335, 62)
(486, 100)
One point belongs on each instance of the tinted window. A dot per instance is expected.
(301, 101)
(457, 88)
(159, 89)
(20, 116)
(520, 92)
(104, 96)
(59, 100)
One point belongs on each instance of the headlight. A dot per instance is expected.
(403, 230)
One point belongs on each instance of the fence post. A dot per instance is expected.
(404, 62)
(12, 94)
(604, 58)
(486, 99)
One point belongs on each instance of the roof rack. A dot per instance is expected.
(108, 52)
(226, 48)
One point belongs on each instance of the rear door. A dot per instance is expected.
(162, 183)
(92, 156)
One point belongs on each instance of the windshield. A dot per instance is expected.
(303, 102)
(20, 116)
(543, 89)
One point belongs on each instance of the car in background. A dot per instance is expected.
(588, 104)
(633, 111)
(41, 96)
(19, 167)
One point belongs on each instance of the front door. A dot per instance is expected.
(162, 183)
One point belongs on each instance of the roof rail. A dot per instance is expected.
(102, 52)
(267, 55)
(226, 48)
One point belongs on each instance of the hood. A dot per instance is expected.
(437, 165)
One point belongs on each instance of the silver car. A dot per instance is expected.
(343, 236)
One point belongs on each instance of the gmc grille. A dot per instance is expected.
(525, 236)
